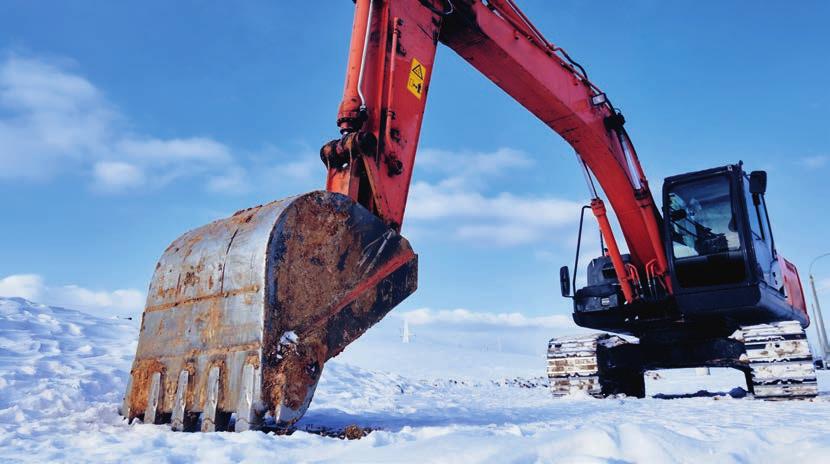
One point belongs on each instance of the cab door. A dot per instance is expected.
(769, 269)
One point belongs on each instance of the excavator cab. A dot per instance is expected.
(724, 268)
(721, 249)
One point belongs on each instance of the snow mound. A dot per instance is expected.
(62, 375)
(53, 360)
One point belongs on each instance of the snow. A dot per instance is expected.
(289, 338)
(445, 397)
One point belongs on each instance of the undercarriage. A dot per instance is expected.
(775, 359)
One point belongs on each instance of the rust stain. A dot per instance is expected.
(324, 264)
(191, 279)
(355, 432)
(165, 294)
(218, 295)
(245, 216)
(298, 370)
(214, 320)
(253, 359)
(211, 353)
(192, 385)
(142, 371)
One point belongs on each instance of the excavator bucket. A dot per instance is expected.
(243, 313)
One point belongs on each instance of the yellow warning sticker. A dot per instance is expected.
(415, 83)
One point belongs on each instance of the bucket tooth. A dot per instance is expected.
(245, 413)
(126, 409)
(152, 399)
(177, 419)
(212, 401)
(252, 306)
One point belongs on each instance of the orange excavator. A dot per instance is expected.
(243, 313)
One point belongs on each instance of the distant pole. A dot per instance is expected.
(820, 330)
(407, 335)
(819, 351)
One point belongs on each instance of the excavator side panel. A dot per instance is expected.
(794, 290)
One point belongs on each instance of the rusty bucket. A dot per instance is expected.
(243, 313)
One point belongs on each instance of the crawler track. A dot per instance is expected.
(573, 365)
(781, 366)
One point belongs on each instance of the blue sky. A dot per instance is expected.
(124, 124)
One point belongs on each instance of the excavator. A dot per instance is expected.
(243, 313)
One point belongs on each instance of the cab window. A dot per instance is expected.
(702, 218)
(704, 228)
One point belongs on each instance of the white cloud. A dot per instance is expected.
(300, 169)
(54, 121)
(426, 316)
(547, 256)
(501, 219)
(307, 168)
(467, 161)
(165, 152)
(31, 84)
(116, 175)
(433, 202)
(815, 161)
(235, 180)
(458, 199)
(49, 118)
(122, 302)
(117, 301)
(27, 286)
(500, 234)
(466, 169)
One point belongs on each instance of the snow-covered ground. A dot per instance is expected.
(441, 398)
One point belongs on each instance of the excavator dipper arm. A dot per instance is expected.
(390, 67)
